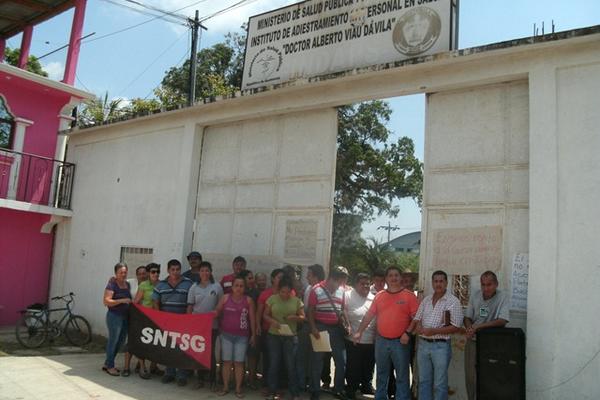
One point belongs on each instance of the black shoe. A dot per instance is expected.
(167, 379)
(340, 395)
(181, 382)
(314, 396)
(367, 390)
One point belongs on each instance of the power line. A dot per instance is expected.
(149, 7)
(139, 24)
(153, 62)
(179, 62)
(64, 46)
(82, 84)
(240, 3)
(164, 17)
(120, 30)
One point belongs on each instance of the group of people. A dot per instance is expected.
(378, 321)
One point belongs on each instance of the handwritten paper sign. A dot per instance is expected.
(519, 282)
(467, 251)
(301, 239)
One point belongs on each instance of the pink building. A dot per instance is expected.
(35, 182)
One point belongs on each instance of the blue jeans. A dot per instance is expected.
(338, 349)
(303, 355)
(178, 372)
(117, 333)
(390, 352)
(433, 360)
(282, 347)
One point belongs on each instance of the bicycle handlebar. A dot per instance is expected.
(63, 297)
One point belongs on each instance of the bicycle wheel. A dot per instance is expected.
(78, 330)
(31, 331)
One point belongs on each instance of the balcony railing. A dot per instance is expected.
(34, 179)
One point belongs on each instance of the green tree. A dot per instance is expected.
(100, 110)
(219, 71)
(371, 172)
(370, 255)
(138, 106)
(407, 261)
(11, 57)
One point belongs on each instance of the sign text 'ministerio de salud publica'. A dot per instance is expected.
(319, 37)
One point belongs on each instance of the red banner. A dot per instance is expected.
(174, 340)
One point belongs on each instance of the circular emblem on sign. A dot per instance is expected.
(266, 62)
(358, 16)
(416, 31)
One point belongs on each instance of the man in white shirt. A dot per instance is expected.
(439, 315)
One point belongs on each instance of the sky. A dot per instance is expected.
(132, 63)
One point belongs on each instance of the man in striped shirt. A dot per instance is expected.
(439, 315)
(325, 304)
(171, 295)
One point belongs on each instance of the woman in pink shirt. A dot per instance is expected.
(238, 328)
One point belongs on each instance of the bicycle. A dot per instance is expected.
(35, 325)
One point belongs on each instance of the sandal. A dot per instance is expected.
(239, 395)
(222, 392)
(126, 372)
(112, 371)
(144, 374)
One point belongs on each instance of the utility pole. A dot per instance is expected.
(195, 25)
(389, 228)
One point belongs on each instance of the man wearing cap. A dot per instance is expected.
(488, 308)
(238, 265)
(325, 305)
(439, 315)
(194, 259)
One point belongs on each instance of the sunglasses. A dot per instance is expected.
(154, 272)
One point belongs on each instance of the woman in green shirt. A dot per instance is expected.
(144, 297)
(283, 312)
(145, 289)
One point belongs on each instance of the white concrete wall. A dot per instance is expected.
(563, 344)
(131, 189)
(476, 174)
(555, 82)
(139, 187)
(258, 174)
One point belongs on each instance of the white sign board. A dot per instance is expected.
(519, 282)
(301, 239)
(467, 251)
(318, 37)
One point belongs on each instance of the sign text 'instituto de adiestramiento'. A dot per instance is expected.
(318, 37)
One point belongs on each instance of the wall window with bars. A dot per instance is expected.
(7, 125)
(135, 256)
(461, 287)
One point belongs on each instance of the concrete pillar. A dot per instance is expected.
(18, 142)
(60, 150)
(25, 46)
(543, 231)
(2, 48)
(74, 42)
(190, 160)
